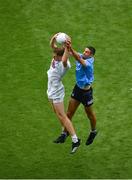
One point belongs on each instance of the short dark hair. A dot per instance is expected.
(92, 49)
(59, 51)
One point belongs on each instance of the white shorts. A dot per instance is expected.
(56, 94)
(54, 101)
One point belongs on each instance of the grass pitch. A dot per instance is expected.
(27, 124)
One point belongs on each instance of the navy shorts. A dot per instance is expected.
(83, 96)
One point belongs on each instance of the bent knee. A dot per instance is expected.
(69, 114)
(61, 115)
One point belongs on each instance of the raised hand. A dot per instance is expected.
(68, 44)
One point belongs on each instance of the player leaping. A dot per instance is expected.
(59, 66)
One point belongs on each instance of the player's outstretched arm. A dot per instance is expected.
(74, 53)
(77, 56)
(53, 42)
(65, 57)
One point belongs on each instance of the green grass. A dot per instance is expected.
(27, 124)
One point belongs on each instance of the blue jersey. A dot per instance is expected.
(85, 74)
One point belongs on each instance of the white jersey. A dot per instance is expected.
(55, 73)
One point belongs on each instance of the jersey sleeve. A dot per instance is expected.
(65, 69)
(68, 64)
(89, 61)
(80, 54)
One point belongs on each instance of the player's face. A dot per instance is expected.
(86, 52)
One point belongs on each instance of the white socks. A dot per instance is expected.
(74, 138)
(94, 131)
